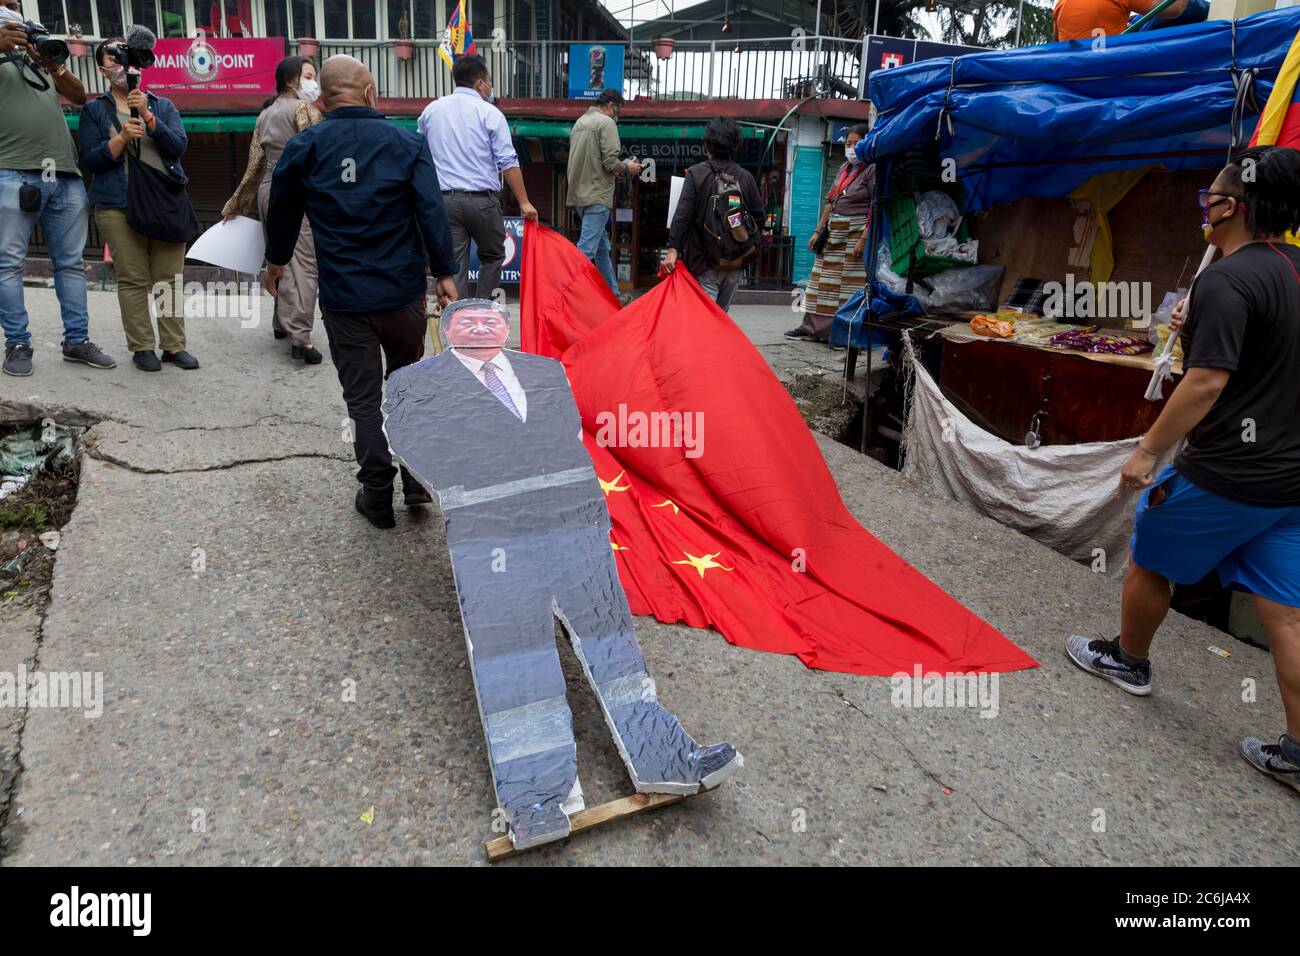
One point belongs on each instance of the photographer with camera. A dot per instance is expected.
(127, 133)
(40, 183)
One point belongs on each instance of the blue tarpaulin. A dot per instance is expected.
(849, 325)
(1041, 121)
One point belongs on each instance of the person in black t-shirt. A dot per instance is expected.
(1230, 502)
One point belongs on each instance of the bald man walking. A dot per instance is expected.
(371, 193)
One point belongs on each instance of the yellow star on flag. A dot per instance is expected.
(612, 484)
(704, 563)
(667, 503)
(613, 546)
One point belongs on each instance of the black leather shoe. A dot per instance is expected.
(416, 495)
(798, 333)
(309, 354)
(146, 361)
(376, 509)
(181, 359)
(280, 333)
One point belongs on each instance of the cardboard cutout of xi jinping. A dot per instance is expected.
(496, 434)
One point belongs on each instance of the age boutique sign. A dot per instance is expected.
(214, 65)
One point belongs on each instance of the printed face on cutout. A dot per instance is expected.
(479, 333)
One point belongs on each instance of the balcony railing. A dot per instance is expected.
(777, 68)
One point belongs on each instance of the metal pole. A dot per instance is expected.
(862, 67)
(819, 30)
(1020, 18)
(875, 26)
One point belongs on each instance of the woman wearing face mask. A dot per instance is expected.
(838, 243)
(157, 139)
(283, 116)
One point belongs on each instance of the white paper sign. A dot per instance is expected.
(237, 244)
(674, 194)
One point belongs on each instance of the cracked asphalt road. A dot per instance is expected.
(215, 572)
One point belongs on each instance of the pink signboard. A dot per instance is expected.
(214, 65)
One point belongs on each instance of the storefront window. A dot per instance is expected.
(336, 19)
(364, 13)
(239, 18)
(144, 13)
(173, 18)
(276, 15)
(480, 18)
(52, 16)
(110, 19)
(399, 19)
(304, 17)
(79, 12)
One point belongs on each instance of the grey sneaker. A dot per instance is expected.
(18, 360)
(1274, 759)
(88, 353)
(1102, 658)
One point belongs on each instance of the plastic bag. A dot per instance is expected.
(937, 215)
(963, 289)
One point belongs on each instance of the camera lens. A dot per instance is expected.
(54, 50)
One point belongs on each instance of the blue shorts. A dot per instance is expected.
(1194, 531)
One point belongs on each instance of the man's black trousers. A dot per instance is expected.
(365, 347)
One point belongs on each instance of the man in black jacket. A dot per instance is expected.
(371, 193)
(688, 238)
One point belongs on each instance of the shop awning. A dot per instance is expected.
(244, 123)
(556, 130)
(1041, 121)
(225, 123)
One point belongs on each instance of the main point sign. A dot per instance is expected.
(214, 65)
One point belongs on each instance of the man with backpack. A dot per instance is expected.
(715, 227)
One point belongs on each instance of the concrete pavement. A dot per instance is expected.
(275, 670)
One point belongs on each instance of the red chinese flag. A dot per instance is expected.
(724, 512)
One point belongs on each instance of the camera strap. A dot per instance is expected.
(24, 65)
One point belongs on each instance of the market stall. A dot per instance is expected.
(1069, 176)
(1038, 214)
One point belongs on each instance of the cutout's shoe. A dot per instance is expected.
(537, 825)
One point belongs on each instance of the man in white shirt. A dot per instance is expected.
(472, 152)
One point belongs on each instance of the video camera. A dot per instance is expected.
(135, 52)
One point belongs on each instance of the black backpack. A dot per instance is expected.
(728, 234)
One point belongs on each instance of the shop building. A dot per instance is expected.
(791, 96)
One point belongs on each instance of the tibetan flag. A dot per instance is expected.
(457, 40)
(1279, 123)
(724, 512)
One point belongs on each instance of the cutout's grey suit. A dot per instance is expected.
(529, 535)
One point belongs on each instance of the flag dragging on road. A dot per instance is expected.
(724, 512)
(457, 40)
